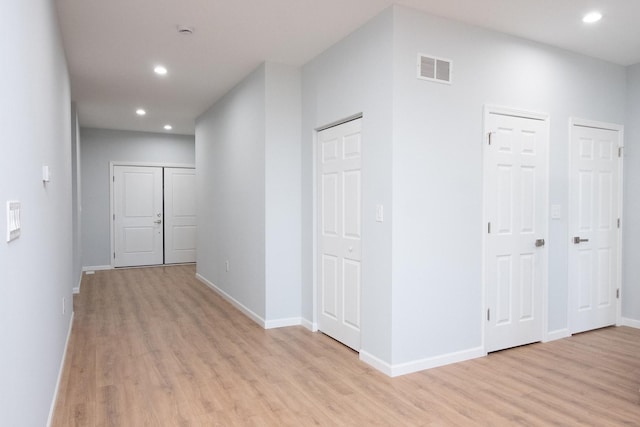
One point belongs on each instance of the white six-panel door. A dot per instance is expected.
(138, 217)
(594, 232)
(179, 215)
(515, 199)
(339, 234)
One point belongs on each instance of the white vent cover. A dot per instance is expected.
(434, 69)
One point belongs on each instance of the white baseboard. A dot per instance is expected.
(96, 267)
(60, 372)
(557, 335)
(313, 327)
(76, 290)
(282, 323)
(379, 364)
(422, 364)
(632, 323)
(237, 304)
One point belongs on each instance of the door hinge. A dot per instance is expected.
(489, 228)
(113, 178)
(114, 255)
(618, 222)
(619, 151)
(490, 133)
(488, 314)
(114, 217)
(618, 293)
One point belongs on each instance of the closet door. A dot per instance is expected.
(180, 215)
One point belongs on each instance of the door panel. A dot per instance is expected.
(180, 215)
(340, 230)
(138, 231)
(515, 198)
(593, 213)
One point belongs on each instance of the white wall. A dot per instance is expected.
(437, 174)
(282, 191)
(355, 76)
(98, 148)
(248, 161)
(36, 269)
(631, 214)
(76, 195)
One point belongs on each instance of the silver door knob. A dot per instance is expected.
(158, 221)
(539, 243)
(578, 240)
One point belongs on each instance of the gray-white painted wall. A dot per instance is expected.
(422, 159)
(76, 196)
(631, 218)
(99, 147)
(437, 169)
(36, 269)
(355, 76)
(248, 162)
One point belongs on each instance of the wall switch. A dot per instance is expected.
(379, 213)
(45, 174)
(556, 211)
(13, 220)
(226, 265)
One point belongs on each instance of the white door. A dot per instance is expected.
(138, 230)
(594, 233)
(179, 215)
(515, 195)
(339, 234)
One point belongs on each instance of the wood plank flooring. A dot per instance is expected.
(155, 347)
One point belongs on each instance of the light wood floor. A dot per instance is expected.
(155, 347)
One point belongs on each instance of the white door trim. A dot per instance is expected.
(314, 202)
(576, 121)
(528, 114)
(112, 165)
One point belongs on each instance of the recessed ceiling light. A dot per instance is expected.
(168, 127)
(592, 17)
(185, 30)
(160, 70)
(140, 112)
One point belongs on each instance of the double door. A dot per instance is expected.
(154, 215)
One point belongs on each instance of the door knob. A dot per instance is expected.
(350, 248)
(578, 240)
(539, 243)
(158, 221)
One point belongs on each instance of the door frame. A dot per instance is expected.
(315, 224)
(527, 114)
(576, 121)
(112, 165)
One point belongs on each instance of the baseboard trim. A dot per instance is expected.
(76, 290)
(237, 304)
(558, 334)
(60, 372)
(313, 327)
(282, 323)
(376, 363)
(632, 323)
(96, 267)
(422, 364)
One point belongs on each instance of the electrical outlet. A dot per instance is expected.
(226, 265)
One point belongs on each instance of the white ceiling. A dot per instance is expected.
(112, 45)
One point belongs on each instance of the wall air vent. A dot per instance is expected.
(434, 69)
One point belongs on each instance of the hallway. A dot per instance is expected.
(154, 346)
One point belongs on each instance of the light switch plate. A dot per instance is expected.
(556, 211)
(13, 220)
(379, 213)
